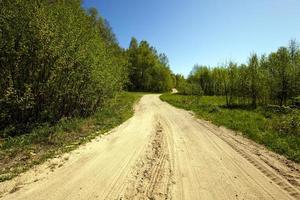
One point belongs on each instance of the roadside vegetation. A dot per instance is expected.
(57, 61)
(19, 153)
(275, 127)
(261, 99)
(62, 79)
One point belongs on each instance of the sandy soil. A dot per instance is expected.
(161, 153)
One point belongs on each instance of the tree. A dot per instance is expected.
(254, 78)
(295, 62)
(272, 79)
(280, 68)
(202, 75)
(57, 60)
(149, 71)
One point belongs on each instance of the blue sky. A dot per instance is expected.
(207, 32)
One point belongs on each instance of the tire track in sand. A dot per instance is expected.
(151, 177)
(264, 167)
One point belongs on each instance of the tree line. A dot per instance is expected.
(148, 70)
(60, 60)
(266, 79)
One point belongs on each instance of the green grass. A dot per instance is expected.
(280, 132)
(17, 154)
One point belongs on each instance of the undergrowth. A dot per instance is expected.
(17, 154)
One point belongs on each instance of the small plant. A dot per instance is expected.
(287, 124)
(214, 109)
(296, 102)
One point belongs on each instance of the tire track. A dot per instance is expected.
(263, 167)
(151, 178)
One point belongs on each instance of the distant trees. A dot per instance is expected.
(201, 76)
(148, 70)
(187, 87)
(273, 79)
(57, 60)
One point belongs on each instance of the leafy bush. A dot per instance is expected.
(214, 109)
(296, 101)
(287, 124)
(190, 89)
(278, 109)
(57, 60)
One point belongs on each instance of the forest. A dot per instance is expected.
(59, 60)
(267, 79)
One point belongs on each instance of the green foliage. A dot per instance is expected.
(148, 70)
(187, 87)
(201, 75)
(57, 60)
(287, 123)
(296, 101)
(275, 127)
(46, 141)
(281, 74)
(273, 79)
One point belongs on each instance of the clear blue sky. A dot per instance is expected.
(207, 32)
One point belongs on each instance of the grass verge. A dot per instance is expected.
(279, 130)
(17, 154)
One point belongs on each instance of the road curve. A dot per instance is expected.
(161, 153)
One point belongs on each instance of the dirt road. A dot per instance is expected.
(161, 153)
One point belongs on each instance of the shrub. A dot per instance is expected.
(287, 124)
(56, 61)
(296, 101)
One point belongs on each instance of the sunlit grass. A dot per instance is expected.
(278, 132)
(18, 154)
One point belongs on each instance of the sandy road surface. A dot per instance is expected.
(161, 153)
